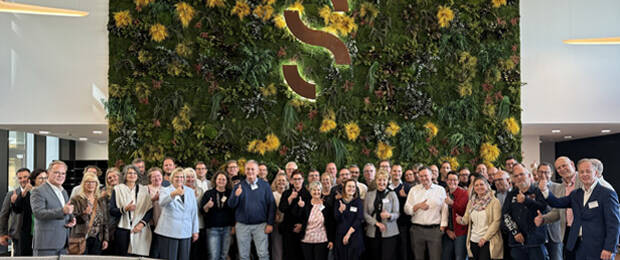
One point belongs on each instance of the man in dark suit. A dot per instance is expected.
(52, 213)
(15, 218)
(596, 225)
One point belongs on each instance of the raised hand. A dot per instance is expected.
(385, 215)
(449, 201)
(297, 228)
(239, 190)
(301, 203)
(155, 196)
(130, 207)
(292, 196)
(68, 208)
(402, 192)
(422, 205)
(209, 204)
(342, 207)
(338, 195)
(538, 220)
(88, 210)
(14, 196)
(178, 192)
(520, 197)
(26, 189)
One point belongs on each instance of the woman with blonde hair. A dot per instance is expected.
(278, 186)
(91, 213)
(190, 181)
(177, 227)
(112, 175)
(483, 216)
(381, 210)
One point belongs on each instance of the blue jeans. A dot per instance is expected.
(531, 253)
(219, 242)
(555, 250)
(454, 249)
(255, 232)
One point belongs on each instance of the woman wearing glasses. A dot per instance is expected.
(91, 213)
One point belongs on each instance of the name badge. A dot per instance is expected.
(386, 201)
(593, 204)
(223, 199)
(254, 186)
(353, 209)
(322, 207)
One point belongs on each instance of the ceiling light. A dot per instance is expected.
(97, 132)
(44, 132)
(568, 136)
(39, 10)
(605, 131)
(83, 139)
(555, 131)
(594, 41)
(102, 142)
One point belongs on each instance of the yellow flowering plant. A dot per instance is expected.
(352, 130)
(122, 19)
(431, 129)
(241, 9)
(158, 32)
(489, 152)
(214, 3)
(279, 21)
(264, 12)
(511, 125)
(444, 15)
(498, 3)
(384, 151)
(185, 12)
(454, 163)
(392, 129)
(327, 125)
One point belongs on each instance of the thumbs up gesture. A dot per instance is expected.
(88, 210)
(342, 207)
(402, 192)
(301, 203)
(238, 191)
(538, 220)
(209, 204)
(131, 206)
(14, 196)
(68, 208)
(178, 192)
(26, 189)
(292, 196)
(520, 197)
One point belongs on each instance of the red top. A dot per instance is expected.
(458, 207)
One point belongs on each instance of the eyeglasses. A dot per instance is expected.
(233, 167)
(90, 182)
(298, 179)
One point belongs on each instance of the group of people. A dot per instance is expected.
(425, 212)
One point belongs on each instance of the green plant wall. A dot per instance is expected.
(201, 80)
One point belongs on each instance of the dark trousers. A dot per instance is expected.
(531, 253)
(200, 247)
(23, 245)
(93, 246)
(505, 239)
(314, 251)
(174, 249)
(291, 246)
(154, 251)
(568, 255)
(480, 253)
(121, 238)
(404, 243)
(382, 248)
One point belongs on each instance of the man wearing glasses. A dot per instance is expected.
(53, 213)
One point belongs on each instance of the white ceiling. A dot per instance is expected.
(574, 131)
(70, 132)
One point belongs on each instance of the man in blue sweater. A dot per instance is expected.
(522, 205)
(255, 208)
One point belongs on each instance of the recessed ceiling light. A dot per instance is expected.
(83, 139)
(555, 131)
(605, 131)
(44, 132)
(97, 132)
(102, 142)
(568, 136)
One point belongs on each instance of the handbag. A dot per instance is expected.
(77, 245)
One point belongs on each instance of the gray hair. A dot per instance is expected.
(315, 185)
(56, 162)
(369, 165)
(598, 165)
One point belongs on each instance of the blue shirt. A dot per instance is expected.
(255, 205)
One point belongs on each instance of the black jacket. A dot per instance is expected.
(328, 216)
(289, 210)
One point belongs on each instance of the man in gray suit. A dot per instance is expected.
(52, 213)
(552, 218)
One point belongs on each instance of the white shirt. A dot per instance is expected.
(435, 197)
(392, 186)
(478, 225)
(204, 185)
(58, 191)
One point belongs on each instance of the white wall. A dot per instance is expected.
(90, 151)
(530, 149)
(54, 69)
(569, 83)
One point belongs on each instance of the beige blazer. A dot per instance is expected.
(493, 234)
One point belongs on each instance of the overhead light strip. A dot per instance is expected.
(594, 41)
(38, 10)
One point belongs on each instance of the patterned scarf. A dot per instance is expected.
(481, 203)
